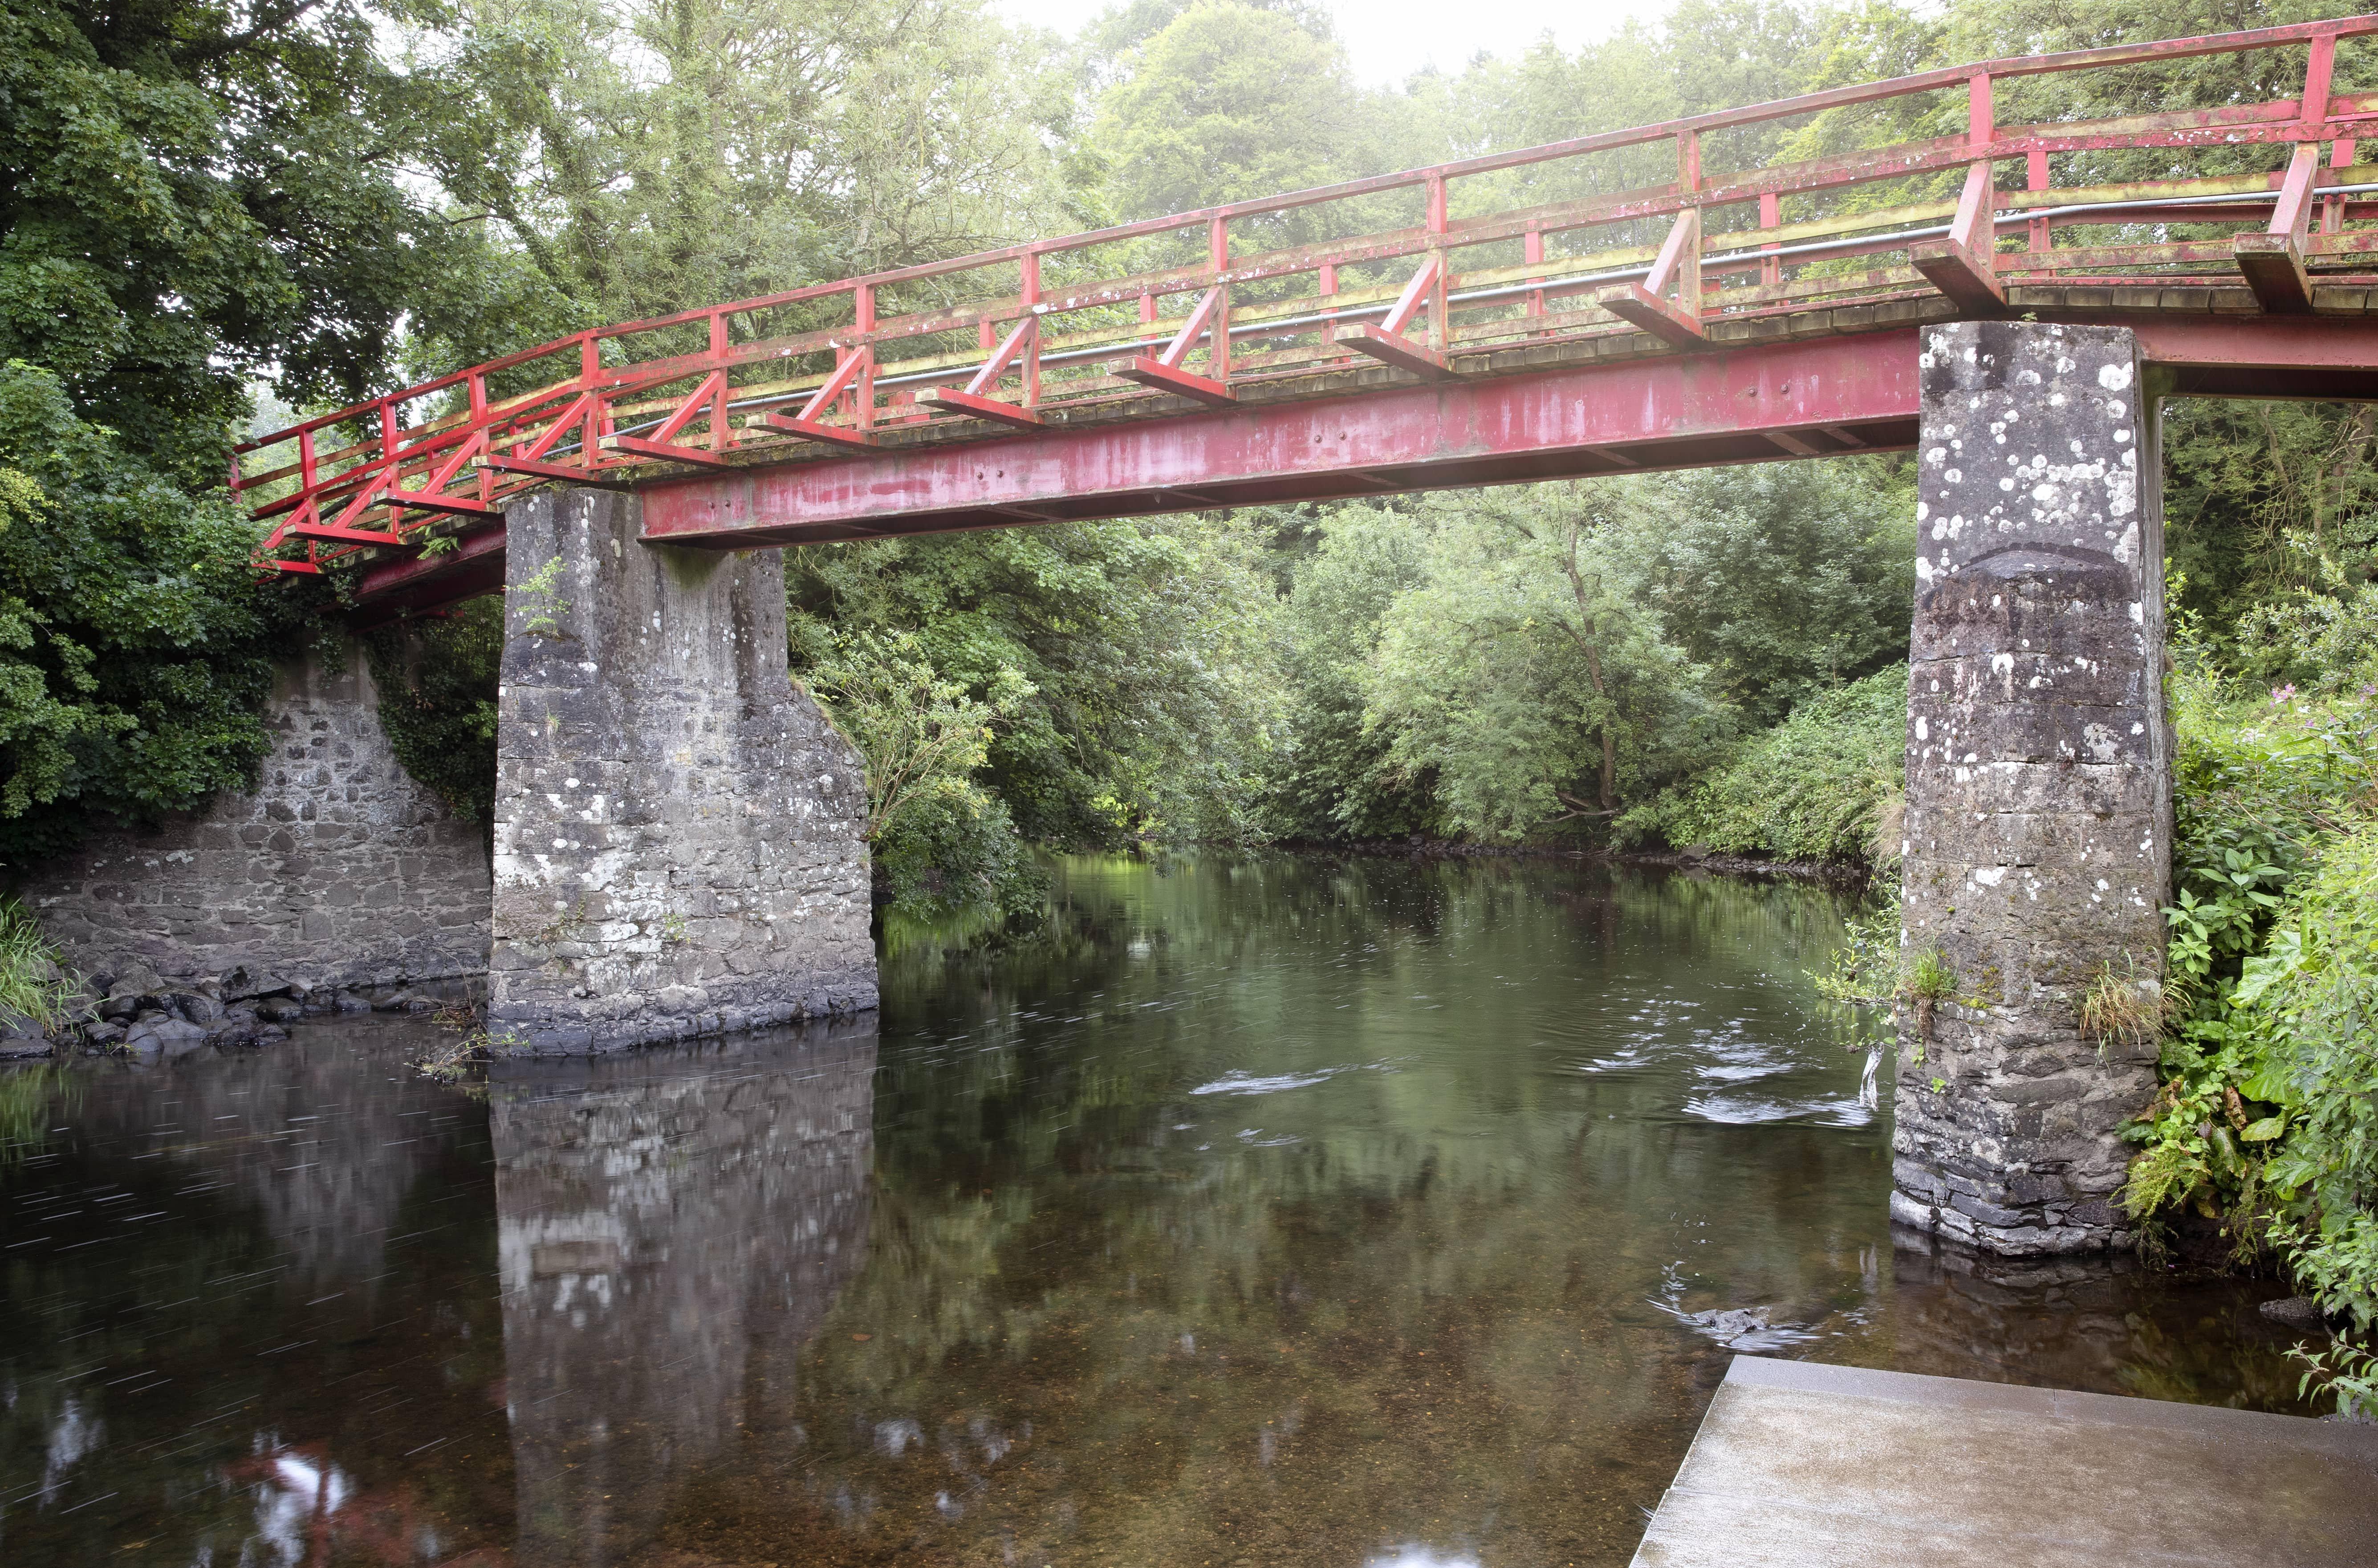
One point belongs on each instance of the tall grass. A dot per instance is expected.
(33, 982)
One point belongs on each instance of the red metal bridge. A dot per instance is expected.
(1655, 306)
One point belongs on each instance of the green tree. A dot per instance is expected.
(666, 154)
(1226, 103)
(1785, 580)
(196, 195)
(1336, 777)
(133, 651)
(1147, 648)
(1529, 676)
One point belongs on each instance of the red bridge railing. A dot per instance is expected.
(1171, 314)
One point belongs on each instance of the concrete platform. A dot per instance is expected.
(1799, 1463)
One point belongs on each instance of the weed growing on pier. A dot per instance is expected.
(2121, 1009)
(538, 601)
(466, 1058)
(1925, 982)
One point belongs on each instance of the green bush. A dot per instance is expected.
(1818, 786)
(437, 681)
(136, 650)
(2315, 992)
(956, 851)
(2264, 1117)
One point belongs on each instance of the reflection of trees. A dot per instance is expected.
(2106, 1326)
(1425, 1319)
(673, 1227)
(304, 1299)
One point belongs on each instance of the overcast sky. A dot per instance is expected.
(1388, 40)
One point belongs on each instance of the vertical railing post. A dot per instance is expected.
(1771, 216)
(307, 473)
(1440, 327)
(862, 393)
(2311, 114)
(1961, 265)
(1217, 256)
(2034, 178)
(1030, 296)
(1689, 182)
(1328, 295)
(2332, 212)
(388, 451)
(1979, 228)
(590, 379)
(478, 426)
(1532, 253)
(720, 438)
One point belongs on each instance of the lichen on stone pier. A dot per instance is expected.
(2039, 821)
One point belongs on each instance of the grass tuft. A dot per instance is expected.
(2121, 1009)
(33, 982)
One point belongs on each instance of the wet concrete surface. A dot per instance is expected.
(1798, 1464)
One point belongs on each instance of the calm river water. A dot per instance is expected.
(1268, 1211)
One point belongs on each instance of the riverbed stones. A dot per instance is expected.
(2038, 822)
(678, 836)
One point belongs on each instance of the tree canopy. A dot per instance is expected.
(210, 206)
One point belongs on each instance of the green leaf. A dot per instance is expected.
(2264, 1130)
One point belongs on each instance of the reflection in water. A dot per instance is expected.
(671, 1227)
(1362, 1215)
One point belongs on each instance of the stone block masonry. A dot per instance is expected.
(336, 872)
(2039, 820)
(678, 845)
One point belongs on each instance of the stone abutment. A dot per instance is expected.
(336, 873)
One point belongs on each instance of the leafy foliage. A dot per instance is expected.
(437, 682)
(1335, 778)
(2264, 1116)
(133, 654)
(1223, 103)
(194, 194)
(1124, 672)
(1824, 785)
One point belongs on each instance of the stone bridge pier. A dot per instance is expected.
(2038, 820)
(679, 832)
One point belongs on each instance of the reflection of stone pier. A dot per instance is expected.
(673, 1226)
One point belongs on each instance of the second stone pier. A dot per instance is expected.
(2038, 825)
(679, 843)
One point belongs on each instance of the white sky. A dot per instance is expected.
(1388, 40)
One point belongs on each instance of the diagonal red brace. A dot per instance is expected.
(806, 423)
(1156, 375)
(949, 399)
(2273, 261)
(1386, 341)
(1961, 265)
(1646, 306)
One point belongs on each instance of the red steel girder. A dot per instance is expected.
(1673, 412)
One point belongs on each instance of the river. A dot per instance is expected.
(1262, 1210)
